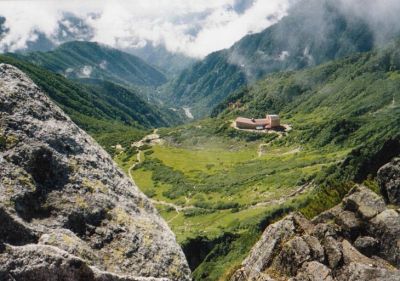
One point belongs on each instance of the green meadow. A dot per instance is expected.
(222, 188)
(218, 187)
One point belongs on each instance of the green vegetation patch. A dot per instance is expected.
(345, 120)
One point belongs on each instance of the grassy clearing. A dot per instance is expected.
(204, 159)
(223, 184)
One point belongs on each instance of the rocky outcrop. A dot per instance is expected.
(357, 240)
(66, 211)
(42, 262)
(389, 181)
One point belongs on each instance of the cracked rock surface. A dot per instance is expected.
(357, 240)
(66, 211)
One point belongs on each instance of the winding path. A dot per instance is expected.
(138, 160)
(302, 189)
(154, 139)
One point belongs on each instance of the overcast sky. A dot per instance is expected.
(193, 27)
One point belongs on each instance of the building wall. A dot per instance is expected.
(275, 123)
(271, 123)
(242, 125)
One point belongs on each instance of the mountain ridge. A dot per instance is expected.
(169, 62)
(350, 90)
(108, 111)
(82, 59)
(313, 32)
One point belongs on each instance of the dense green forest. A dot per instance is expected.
(344, 102)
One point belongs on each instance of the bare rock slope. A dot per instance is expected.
(357, 240)
(66, 211)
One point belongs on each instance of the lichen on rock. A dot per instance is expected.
(389, 181)
(357, 240)
(65, 207)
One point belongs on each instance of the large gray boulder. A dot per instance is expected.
(357, 240)
(389, 181)
(386, 228)
(66, 210)
(313, 271)
(41, 262)
(366, 204)
(367, 245)
(364, 272)
(264, 252)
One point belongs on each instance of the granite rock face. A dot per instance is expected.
(357, 240)
(389, 180)
(66, 211)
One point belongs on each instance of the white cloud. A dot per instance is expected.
(193, 27)
(381, 16)
(283, 55)
(85, 71)
(23, 18)
(224, 27)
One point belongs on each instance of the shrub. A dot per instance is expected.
(150, 193)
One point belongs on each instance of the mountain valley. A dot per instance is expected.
(229, 183)
(92, 137)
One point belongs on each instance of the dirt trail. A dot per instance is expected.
(153, 139)
(261, 150)
(133, 166)
(302, 189)
(293, 151)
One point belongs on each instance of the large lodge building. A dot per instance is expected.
(270, 122)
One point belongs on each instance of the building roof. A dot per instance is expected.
(256, 122)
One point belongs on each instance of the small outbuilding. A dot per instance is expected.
(270, 121)
(273, 121)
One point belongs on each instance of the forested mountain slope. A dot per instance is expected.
(110, 112)
(78, 59)
(349, 101)
(313, 32)
(170, 63)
